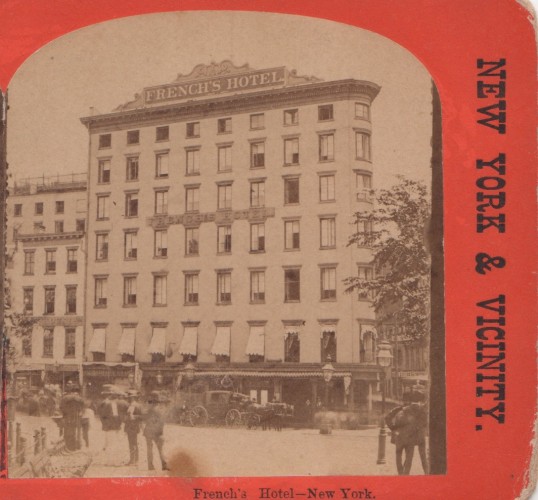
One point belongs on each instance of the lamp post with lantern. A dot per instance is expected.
(328, 372)
(384, 360)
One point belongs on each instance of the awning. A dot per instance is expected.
(256, 341)
(368, 328)
(189, 342)
(291, 330)
(221, 345)
(127, 342)
(97, 343)
(158, 341)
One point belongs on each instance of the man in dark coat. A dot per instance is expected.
(133, 422)
(111, 413)
(153, 431)
(72, 406)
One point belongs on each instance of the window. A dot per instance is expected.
(48, 342)
(38, 208)
(257, 154)
(257, 286)
(50, 261)
(224, 239)
(291, 117)
(101, 292)
(224, 197)
(326, 188)
(130, 245)
(257, 237)
(291, 191)
(224, 287)
(101, 247)
(161, 165)
(103, 207)
(365, 274)
(363, 180)
(132, 168)
(103, 175)
(193, 129)
(80, 225)
(192, 238)
(27, 345)
(362, 111)
(162, 133)
(326, 147)
(257, 194)
(292, 285)
(291, 151)
(50, 296)
(161, 243)
(131, 205)
(291, 232)
(224, 125)
(72, 263)
(70, 343)
(159, 290)
(129, 291)
(191, 288)
(325, 112)
(28, 300)
(192, 199)
(193, 161)
(257, 121)
(17, 210)
(59, 226)
(225, 158)
(29, 261)
(161, 202)
(328, 345)
(105, 141)
(60, 207)
(328, 283)
(327, 232)
(39, 227)
(362, 146)
(292, 346)
(70, 300)
(133, 136)
(364, 231)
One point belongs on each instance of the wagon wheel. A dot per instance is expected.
(233, 418)
(198, 416)
(253, 421)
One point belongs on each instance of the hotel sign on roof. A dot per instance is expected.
(227, 82)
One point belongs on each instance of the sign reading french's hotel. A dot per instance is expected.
(221, 84)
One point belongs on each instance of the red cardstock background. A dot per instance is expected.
(447, 37)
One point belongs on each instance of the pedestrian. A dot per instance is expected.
(72, 406)
(111, 413)
(408, 429)
(87, 415)
(153, 430)
(133, 422)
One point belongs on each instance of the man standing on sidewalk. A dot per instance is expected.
(153, 431)
(133, 418)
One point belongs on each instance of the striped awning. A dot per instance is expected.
(158, 341)
(98, 340)
(189, 342)
(221, 344)
(256, 341)
(127, 342)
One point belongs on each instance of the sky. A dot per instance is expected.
(104, 65)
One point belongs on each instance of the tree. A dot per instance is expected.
(396, 231)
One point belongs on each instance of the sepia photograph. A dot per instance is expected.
(224, 252)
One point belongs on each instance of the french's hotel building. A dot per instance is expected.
(220, 207)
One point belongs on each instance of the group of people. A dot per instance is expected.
(119, 409)
(408, 425)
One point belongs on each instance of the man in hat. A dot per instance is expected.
(72, 406)
(111, 412)
(153, 431)
(133, 420)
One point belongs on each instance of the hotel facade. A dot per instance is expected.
(219, 211)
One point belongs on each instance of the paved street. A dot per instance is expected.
(221, 451)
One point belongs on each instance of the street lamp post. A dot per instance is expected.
(189, 371)
(384, 359)
(328, 371)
